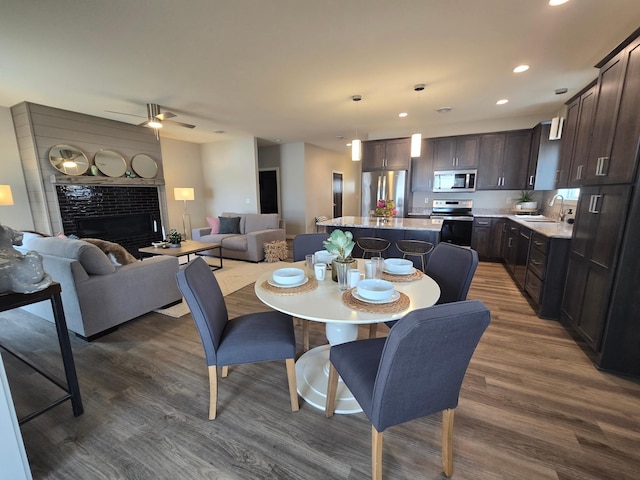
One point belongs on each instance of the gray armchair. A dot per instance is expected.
(415, 371)
(251, 338)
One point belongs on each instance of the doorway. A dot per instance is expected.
(269, 182)
(337, 194)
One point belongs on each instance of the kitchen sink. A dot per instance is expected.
(540, 220)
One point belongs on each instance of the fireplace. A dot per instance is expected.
(129, 216)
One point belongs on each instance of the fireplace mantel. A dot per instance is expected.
(107, 181)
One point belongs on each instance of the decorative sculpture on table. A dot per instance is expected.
(19, 273)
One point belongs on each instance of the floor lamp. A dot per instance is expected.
(184, 193)
(5, 195)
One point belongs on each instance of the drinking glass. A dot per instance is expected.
(378, 262)
(342, 272)
(310, 261)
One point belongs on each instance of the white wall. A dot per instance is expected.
(18, 216)
(183, 168)
(292, 179)
(230, 173)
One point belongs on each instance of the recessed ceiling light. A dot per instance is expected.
(502, 101)
(562, 90)
(555, 3)
(403, 114)
(444, 109)
(521, 68)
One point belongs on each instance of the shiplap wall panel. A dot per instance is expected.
(39, 127)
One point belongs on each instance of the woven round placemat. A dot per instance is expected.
(312, 284)
(394, 307)
(412, 277)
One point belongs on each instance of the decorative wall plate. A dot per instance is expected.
(110, 163)
(68, 160)
(144, 166)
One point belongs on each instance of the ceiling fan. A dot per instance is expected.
(156, 118)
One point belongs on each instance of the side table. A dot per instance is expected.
(9, 301)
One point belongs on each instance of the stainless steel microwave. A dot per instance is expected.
(454, 180)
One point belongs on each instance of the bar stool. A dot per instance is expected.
(372, 245)
(415, 248)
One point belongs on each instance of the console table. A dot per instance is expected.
(9, 301)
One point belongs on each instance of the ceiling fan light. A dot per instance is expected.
(153, 123)
(356, 150)
(416, 143)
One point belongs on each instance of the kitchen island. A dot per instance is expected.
(392, 229)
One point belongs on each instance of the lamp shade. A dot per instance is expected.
(184, 193)
(416, 141)
(6, 198)
(356, 150)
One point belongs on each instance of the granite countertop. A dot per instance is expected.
(549, 229)
(395, 223)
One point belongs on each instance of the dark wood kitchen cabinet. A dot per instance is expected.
(422, 168)
(487, 237)
(510, 245)
(503, 160)
(576, 137)
(598, 230)
(453, 153)
(613, 150)
(394, 154)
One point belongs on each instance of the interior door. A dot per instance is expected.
(269, 198)
(337, 194)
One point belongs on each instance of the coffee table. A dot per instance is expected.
(188, 247)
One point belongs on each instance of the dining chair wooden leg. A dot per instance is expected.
(373, 328)
(332, 388)
(376, 454)
(305, 335)
(225, 371)
(213, 391)
(293, 389)
(447, 441)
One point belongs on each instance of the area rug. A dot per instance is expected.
(233, 276)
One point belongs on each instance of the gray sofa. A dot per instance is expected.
(97, 295)
(256, 229)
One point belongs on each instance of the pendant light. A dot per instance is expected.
(356, 143)
(416, 138)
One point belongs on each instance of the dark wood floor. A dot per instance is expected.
(532, 407)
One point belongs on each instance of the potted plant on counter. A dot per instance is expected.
(341, 244)
(526, 201)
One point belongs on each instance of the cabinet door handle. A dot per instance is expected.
(483, 223)
(579, 173)
(531, 178)
(593, 203)
(602, 166)
(498, 184)
(509, 242)
(537, 243)
(557, 179)
(535, 262)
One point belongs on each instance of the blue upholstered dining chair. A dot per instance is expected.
(415, 371)
(251, 338)
(452, 267)
(303, 245)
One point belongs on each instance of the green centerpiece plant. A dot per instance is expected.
(174, 238)
(341, 244)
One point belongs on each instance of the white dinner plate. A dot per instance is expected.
(413, 270)
(394, 296)
(273, 283)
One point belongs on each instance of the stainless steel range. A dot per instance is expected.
(457, 220)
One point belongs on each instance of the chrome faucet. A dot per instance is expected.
(551, 203)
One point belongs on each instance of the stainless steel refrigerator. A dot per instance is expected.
(387, 185)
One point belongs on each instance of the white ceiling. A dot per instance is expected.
(286, 69)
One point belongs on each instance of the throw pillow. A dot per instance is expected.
(229, 225)
(116, 253)
(214, 223)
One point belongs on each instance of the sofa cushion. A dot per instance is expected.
(229, 225)
(235, 242)
(214, 223)
(255, 222)
(92, 259)
(116, 253)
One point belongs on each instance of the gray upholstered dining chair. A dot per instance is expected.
(415, 371)
(452, 267)
(303, 245)
(251, 338)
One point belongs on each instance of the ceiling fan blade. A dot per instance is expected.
(123, 113)
(165, 115)
(186, 125)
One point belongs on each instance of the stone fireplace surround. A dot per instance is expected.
(128, 215)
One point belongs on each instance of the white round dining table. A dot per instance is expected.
(324, 304)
